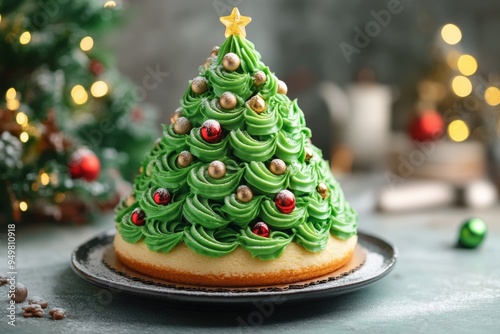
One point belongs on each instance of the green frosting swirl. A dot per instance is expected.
(130, 232)
(204, 212)
(162, 237)
(229, 119)
(213, 243)
(314, 237)
(262, 124)
(201, 211)
(172, 141)
(259, 177)
(275, 218)
(270, 88)
(239, 213)
(206, 151)
(202, 184)
(192, 105)
(167, 174)
(239, 84)
(265, 248)
(249, 149)
(250, 58)
(167, 213)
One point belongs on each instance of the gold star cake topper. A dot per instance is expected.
(235, 23)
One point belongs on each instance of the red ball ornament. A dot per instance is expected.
(162, 196)
(261, 229)
(138, 217)
(96, 67)
(84, 164)
(285, 201)
(427, 126)
(211, 131)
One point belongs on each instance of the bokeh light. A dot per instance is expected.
(110, 4)
(99, 89)
(25, 37)
(24, 137)
(451, 34)
(467, 65)
(461, 86)
(79, 94)
(11, 94)
(23, 206)
(13, 104)
(44, 179)
(458, 131)
(86, 43)
(492, 96)
(21, 118)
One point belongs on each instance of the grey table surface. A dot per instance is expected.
(434, 287)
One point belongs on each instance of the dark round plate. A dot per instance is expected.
(87, 262)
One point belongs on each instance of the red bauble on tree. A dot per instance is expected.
(211, 131)
(138, 217)
(285, 201)
(96, 67)
(261, 229)
(162, 196)
(84, 164)
(427, 126)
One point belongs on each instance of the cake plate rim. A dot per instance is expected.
(86, 262)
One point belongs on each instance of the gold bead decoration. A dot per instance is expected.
(185, 158)
(177, 113)
(282, 87)
(215, 51)
(228, 101)
(217, 169)
(231, 61)
(257, 104)
(322, 190)
(244, 194)
(141, 169)
(182, 126)
(130, 200)
(259, 78)
(277, 167)
(309, 153)
(206, 63)
(199, 85)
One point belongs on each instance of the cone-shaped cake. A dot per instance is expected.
(234, 193)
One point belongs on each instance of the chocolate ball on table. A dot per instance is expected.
(20, 293)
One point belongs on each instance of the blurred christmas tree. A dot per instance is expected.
(69, 123)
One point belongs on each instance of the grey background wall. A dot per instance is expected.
(300, 41)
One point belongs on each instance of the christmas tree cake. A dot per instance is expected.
(234, 193)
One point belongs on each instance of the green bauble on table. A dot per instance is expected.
(472, 233)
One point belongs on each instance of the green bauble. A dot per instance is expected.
(472, 233)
